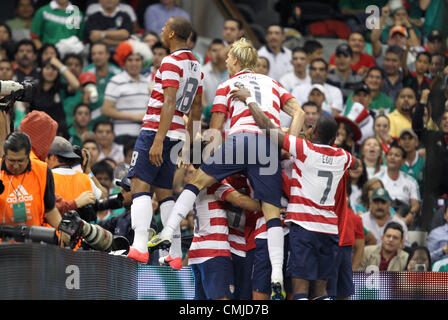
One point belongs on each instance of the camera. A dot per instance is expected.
(112, 202)
(92, 235)
(29, 233)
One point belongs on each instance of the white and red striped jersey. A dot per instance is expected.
(269, 94)
(316, 184)
(211, 231)
(180, 70)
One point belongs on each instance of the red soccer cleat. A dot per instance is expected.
(138, 255)
(175, 263)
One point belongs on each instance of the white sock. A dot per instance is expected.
(165, 211)
(141, 216)
(275, 247)
(183, 205)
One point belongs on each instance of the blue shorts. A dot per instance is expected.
(213, 279)
(312, 254)
(143, 169)
(242, 274)
(261, 276)
(342, 284)
(254, 156)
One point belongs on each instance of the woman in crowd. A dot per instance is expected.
(381, 127)
(371, 155)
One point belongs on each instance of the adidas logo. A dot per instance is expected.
(19, 195)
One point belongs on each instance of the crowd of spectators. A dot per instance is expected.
(387, 88)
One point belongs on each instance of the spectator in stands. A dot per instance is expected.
(437, 240)
(358, 177)
(348, 134)
(313, 50)
(93, 148)
(46, 52)
(317, 95)
(104, 172)
(21, 24)
(371, 154)
(159, 52)
(400, 17)
(232, 30)
(191, 44)
(374, 79)
(419, 259)
(104, 71)
(6, 71)
(127, 93)
(393, 81)
(50, 23)
(438, 63)
(435, 16)
(47, 95)
(299, 74)
(262, 66)
(104, 135)
(381, 128)
(70, 100)
(25, 59)
(436, 43)
(312, 114)
(414, 164)
(361, 62)
(279, 56)
(319, 73)
(81, 119)
(400, 118)
(343, 76)
(418, 80)
(157, 14)
(387, 256)
(5, 33)
(366, 193)
(402, 188)
(215, 72)
(124, 7)
(110, 25)
(150, 38)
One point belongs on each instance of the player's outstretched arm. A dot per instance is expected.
(259, 116)
(166, 117)
(242, 201)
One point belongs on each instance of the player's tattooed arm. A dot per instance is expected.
(259, 116)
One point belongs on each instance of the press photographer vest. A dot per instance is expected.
(28, 188)
(69, 184)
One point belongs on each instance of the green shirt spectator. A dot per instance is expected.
(101, 84)
(378, 103)
(55, 21)
(21, 24)
(435, 16)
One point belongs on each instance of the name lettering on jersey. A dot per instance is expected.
(193, 66)
(327, 160)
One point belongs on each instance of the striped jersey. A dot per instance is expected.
(269, 94)
(180, 70)
(211, 229)
(317, 189)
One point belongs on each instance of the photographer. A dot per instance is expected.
(69, 183)
(28, 195)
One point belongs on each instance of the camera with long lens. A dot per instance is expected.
(29, 234)
(112, 202)
(92, 235)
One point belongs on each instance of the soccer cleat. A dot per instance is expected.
(278, 293)
(175, 263)
(138, 255)
(159, 242)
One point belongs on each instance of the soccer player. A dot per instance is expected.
(177, 92)
(247, 144)
(317, 199)
(210, 252)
